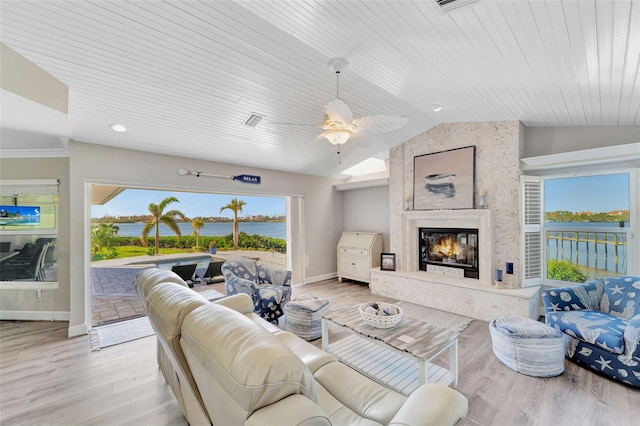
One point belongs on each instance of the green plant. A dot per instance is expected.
(563, 270)
(102, 236)
(151, 251)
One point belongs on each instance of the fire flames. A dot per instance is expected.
(446, 247)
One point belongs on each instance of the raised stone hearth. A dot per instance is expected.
(457, 295)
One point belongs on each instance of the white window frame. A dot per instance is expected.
(631, 231)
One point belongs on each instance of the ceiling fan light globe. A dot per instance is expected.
(338, 136)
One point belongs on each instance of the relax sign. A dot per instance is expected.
(248, 179)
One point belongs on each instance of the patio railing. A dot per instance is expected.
(600, 252)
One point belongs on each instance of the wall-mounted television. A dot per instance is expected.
(19, 215)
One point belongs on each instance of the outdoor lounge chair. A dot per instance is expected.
(213, 274)
(187, 273)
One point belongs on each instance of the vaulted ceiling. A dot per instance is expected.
(183, 76)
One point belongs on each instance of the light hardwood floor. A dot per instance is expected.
(47, 379)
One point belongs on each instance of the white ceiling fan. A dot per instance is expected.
(339, 124)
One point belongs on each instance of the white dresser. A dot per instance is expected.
(358, 252)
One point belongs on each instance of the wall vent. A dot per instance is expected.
(450, 5)
(253, 120)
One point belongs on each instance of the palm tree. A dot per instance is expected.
(159, 216)
(235, 206)
(197, 224)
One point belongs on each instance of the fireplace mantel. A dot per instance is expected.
(479, 219)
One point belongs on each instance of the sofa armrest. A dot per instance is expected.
(240, 302)
(581, 296)
(632, 338)
(432, 404)
(292, 410)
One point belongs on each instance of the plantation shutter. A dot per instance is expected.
(532, 256)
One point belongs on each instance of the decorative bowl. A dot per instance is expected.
(381, 314)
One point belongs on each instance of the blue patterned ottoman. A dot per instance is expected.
(303, 316)
(528, 346)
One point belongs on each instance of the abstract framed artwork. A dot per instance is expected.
(445, 179)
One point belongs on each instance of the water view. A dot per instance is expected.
(211, 229)
(599, 248)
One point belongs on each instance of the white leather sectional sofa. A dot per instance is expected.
(227, 366)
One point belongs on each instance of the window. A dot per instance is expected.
(28, 234)
(591, 196)
(586, 226)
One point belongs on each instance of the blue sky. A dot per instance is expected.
(136, 202)
(602, 193)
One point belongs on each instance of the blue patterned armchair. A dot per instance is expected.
(270, 288)
(601, 322)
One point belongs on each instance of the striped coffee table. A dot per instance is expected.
(401, 358)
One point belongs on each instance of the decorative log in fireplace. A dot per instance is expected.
(449, 251)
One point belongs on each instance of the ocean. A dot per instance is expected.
(212, 229)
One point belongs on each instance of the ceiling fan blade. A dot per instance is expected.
(337, 110)
(315, 140)
(360, 140)
(380, 123)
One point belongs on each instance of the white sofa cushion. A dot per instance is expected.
(249, 363)
(364, 397)
(147, 279)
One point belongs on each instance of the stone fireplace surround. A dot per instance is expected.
(499, 147)
(477, 298)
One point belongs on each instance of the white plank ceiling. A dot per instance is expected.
(184, 75)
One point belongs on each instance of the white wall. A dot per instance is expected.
(367, 210)
(323, 206)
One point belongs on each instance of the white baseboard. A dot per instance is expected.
(35, 315)
(317, 278)
(77, 330)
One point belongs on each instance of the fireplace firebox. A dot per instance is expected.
(450, 251)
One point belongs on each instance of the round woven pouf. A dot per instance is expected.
(303, 316)
(528, 346)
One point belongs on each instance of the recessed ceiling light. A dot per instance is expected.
(436, 107)
(118, 127)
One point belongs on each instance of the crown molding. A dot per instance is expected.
(587, 157)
